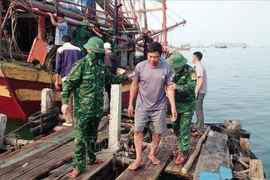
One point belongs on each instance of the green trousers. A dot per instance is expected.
(86, 131)
(181, 128)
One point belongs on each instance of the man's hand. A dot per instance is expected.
(196, 93)
(130, 111)
(56, 84)
(64, 109)
(50, 14)
(174, 114)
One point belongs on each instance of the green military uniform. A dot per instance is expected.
(82, 35)
(87, 79)
(184, 77)
(110, 39)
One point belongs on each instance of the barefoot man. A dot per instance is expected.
(151, 78)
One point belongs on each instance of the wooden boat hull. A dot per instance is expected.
(20, 90)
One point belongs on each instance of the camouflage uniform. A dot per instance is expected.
(87, 78)
(185, 80)
(82, 35)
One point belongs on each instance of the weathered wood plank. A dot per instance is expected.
(34, 153)
(175, 169)
(36, 144)
(136, 175)
(153, 171)
(195, 153)
(39, 166)
(91, 170)
(214, 154)
(59, 172)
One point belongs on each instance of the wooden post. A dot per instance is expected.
(115, 117)
(124, 55)
(46, 99)
(3, 122)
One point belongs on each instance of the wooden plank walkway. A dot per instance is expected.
(49, 158)
(175, 169)
(151, 171)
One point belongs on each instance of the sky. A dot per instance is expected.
(213, 21)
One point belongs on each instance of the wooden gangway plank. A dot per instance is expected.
(151, 171)
(35, 150)
(214, 153)
(175, 169)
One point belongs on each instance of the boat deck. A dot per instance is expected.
(50, 158)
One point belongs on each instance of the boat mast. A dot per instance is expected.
(164, 23)
(144, 15)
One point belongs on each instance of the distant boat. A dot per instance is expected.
(185, 47)
(244, 47)
(221, 46)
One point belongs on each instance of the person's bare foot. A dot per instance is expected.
(136, 164)
(154, 159)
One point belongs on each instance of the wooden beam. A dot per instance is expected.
(143, 11)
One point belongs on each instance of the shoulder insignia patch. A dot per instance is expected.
(193, 76)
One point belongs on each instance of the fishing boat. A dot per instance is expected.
(22, 78)
(221, 46)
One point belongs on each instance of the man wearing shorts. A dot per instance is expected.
(150, 80)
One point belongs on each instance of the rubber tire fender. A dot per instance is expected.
(46, 127)
(36, 118)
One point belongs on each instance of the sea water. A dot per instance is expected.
(239, 89)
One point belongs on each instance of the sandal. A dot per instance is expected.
(179, 160)
(176, 152)
(98, 161)
(74, 174)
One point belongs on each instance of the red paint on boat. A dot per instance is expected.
(10, 107)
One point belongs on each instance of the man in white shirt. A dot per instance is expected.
(200, 90)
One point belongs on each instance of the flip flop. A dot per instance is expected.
(98, 161)
(179, 160)
(74, 174)
(176, 152)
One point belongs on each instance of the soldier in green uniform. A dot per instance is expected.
(82, 35)
(87, 78)
(110, 38)
(184, 78)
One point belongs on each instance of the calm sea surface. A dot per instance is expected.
(239, 89)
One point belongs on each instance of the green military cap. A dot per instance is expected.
(95, 44)
(177, 60)
(84, 23)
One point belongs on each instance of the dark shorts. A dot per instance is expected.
(158, 117)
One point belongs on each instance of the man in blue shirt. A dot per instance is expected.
(61, 27)
(65, 57)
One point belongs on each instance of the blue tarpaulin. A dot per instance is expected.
(88, 3)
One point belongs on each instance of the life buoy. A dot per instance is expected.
(38, 117)
(45, 127)
(231, 133)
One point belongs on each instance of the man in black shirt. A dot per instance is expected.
(146, 40)
(131, 51)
